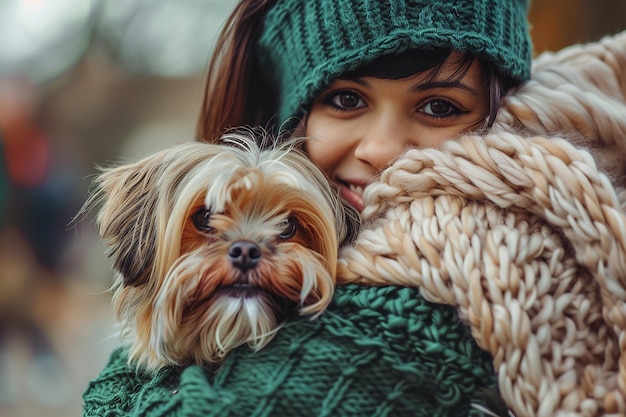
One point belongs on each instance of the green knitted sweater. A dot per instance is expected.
(377, 351)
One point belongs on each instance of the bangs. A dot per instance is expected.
(403, 65)
(432, 61)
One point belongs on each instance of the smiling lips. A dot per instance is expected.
(353, 194)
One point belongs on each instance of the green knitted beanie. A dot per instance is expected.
(306, 44)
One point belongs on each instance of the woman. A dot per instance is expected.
(365, 81)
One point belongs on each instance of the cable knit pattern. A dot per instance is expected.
(306, 44)
(526, 236)
(518, 233)
(579, 92)
(376, 352)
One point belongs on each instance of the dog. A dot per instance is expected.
(216, 245)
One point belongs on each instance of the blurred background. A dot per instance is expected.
(90, 82)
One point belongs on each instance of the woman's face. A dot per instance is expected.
(359, 126)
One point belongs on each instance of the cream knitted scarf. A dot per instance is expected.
(524, 231)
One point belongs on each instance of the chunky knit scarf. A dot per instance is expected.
(525, 235)
(520, 233)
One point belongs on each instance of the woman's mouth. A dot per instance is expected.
(353, 194)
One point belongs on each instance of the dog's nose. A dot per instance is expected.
(244, 254)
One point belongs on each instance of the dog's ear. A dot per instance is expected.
(127, 219)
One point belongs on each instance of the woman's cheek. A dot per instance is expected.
(331, 137)
(321, 152)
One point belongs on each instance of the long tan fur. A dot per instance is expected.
(177, 294)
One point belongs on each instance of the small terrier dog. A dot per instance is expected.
(215, 245)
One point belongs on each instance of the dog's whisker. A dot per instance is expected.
(216, 245)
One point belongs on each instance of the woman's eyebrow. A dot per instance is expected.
(356, 80)
(443, 84)
(420, 86)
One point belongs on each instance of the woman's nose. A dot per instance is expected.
(383, 141)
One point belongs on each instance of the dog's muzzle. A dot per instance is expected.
(244, 254)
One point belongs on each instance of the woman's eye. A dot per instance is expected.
(439, 108)
(346, 100)
(201, 220)
(288, 228)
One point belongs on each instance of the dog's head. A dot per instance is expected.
(214, 245)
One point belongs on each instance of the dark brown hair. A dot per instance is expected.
(238, 94)
(412, 62)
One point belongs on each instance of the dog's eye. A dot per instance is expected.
(288, 228)
(201, 220)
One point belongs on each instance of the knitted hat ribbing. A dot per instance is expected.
(306, 44)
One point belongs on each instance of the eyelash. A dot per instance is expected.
(455, 109)
(330, 98)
